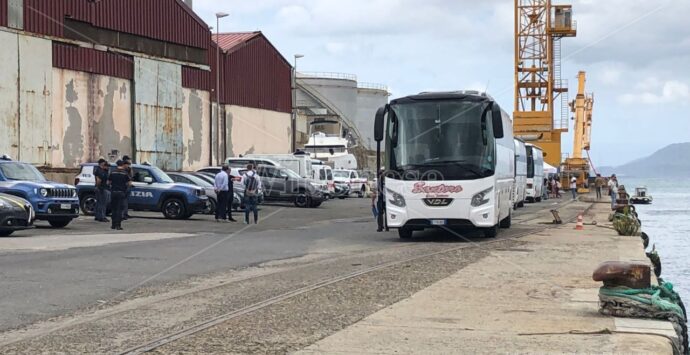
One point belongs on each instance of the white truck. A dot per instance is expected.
(357, 184)
(299, 163)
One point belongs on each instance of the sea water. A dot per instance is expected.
(667, 222)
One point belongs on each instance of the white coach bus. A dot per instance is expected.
(449, 162)
(520, 188)
(535, 173)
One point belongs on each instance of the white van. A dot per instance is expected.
(299, 163)
(535, 173)
(322, 176)
(520, 188)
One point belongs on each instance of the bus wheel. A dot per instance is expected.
(506, 222)
(404, 233)
(491, 232)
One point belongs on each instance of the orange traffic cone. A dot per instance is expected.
(580, 225)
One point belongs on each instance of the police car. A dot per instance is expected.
(51, 201)
(152, 190)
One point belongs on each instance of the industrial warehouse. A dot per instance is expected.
(327, 177)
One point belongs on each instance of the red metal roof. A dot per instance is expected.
(166, 20)
(92, 61)
(229, 41)
(3, 12)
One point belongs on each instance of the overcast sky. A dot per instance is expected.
(636, 54)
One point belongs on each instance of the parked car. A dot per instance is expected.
(16, 214)
(51, 201)
(210, 173)
(152, 190)
(341, 191)
(282, 184)
(191, 179)
(357, 184)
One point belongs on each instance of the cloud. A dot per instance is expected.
(652, 91)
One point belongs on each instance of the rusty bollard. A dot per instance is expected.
(622, 273)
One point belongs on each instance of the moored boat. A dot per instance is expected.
(641, 197)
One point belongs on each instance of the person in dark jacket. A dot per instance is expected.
(119, 182)
(102, 193)
(128, 169)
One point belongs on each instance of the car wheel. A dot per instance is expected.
(491, 232)
(5, 233)
(88, 204)
(404, 233)
(521, 204)
(210, 207)
(59, 223)
(302, 200)
(174, 209)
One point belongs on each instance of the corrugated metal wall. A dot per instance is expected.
(3, 12)
(257, 76)
(89, 60)
(151, 18)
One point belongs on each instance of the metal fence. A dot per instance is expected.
(327, 75)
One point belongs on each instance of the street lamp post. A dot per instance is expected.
(294, 103)
(219, 15)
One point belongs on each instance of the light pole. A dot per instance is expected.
(219, 15)
(294, 102)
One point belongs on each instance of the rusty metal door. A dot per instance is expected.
(9, 94)
(158, 114)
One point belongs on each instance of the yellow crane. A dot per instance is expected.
(577, 165)
(539, 28)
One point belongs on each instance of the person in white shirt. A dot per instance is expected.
(573, 187)
(613, 190)
(222, 187)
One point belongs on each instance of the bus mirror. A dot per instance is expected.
(379, 123)
(497, 118)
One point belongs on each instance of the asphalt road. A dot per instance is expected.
(48, 273)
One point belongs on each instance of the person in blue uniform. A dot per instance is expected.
(119, 182)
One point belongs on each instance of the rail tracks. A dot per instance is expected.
(214, 321)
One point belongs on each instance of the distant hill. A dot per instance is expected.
(670, 161)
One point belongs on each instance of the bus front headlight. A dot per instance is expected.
(395, 198)
(481, 198)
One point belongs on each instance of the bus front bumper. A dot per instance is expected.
(417, 215)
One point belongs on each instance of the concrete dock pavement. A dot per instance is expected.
(538, 297)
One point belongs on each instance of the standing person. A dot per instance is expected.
(545, 189)
(573, 187)
(222, 188)
(598, 184)
(558, 188)
(613, 190)
(128, 169)
(119, 182)
(102, 193)
(251, 189)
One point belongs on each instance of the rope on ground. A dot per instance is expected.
(626, 221)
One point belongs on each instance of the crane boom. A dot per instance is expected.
(578, 166)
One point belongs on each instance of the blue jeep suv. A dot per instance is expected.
(152, 190)
(53, 202)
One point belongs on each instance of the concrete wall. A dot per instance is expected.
(196, 139)
(91, 118)
(257, 131)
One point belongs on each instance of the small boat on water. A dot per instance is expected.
(641, 197)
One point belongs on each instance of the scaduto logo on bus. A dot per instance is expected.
(423, 188)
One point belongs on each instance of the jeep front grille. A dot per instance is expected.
(61, 193)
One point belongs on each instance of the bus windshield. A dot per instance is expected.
(443, 137)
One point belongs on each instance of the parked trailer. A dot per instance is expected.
(449, 160)
(535, 172)
(520, 188)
